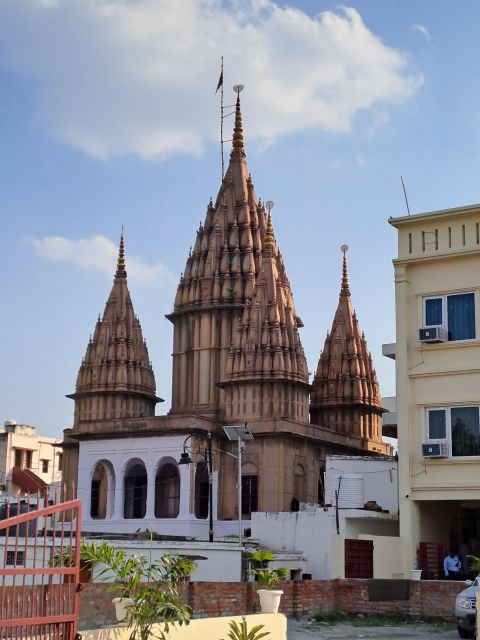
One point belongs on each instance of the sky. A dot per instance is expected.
(108, 117)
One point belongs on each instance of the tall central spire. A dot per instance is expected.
(219, 281)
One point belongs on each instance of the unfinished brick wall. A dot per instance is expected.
(427, 599)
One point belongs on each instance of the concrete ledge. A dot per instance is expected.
(201, 629)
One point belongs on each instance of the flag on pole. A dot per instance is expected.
(220, 81)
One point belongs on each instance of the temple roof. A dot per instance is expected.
(226, 258)
(117, 358)
(345, 373)
(267, 344)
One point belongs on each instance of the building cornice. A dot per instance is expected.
(430, 216)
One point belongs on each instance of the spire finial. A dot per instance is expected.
(345, 290)
(238, 131)
(269, 240)
(121, 271)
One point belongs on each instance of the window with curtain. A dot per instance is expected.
(456, 312)
(460, 426)
(465, 431)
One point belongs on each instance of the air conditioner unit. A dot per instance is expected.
(433, 334)
(435, 450)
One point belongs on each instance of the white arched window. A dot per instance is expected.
(167, 490)
(135, 489)
(102, 490)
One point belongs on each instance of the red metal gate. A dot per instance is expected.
(39, 569)
(358, 558)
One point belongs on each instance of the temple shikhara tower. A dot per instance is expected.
(116, 378)
(345, 395)
(237, 359)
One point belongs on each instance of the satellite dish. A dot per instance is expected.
(238, 88)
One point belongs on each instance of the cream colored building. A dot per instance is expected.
(28, 462)
(437, 283)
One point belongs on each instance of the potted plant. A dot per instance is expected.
(147, 591)
(241, 632)
(125, 569)
(66, 558)
(269, 578)
(416, 573)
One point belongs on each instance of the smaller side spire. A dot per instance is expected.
(345, 290)
(121, 271)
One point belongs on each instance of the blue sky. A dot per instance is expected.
(108, 117)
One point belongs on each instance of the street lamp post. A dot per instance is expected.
(185, 458)
(240, 434)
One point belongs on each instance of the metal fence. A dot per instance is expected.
(39, 568)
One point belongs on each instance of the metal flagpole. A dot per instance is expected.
(221, 120)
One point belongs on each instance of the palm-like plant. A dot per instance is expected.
(240, 631)
(271, 577)
(153, 587)
(266, 577)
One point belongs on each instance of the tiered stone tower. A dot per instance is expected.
(116, 378)
(267, 373)
(345, 395)
(223, 276)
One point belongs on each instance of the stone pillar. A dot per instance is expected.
(150, 510)
(185, 479)
(119, 490)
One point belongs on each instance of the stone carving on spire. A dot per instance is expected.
(345, 394)
(266, 349)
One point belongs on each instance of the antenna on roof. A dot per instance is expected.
(405, 194)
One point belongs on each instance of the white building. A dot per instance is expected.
(28, 462)
(360, 479)
(145, 488)
(354, 488)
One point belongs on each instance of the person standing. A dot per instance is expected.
(452, 567)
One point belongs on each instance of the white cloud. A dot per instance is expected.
(100, 253)
(116, 77)
(423, 30)
(379, 118)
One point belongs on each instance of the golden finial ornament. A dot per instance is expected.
(238, 131)
(121, 271)
(269, 240)
(345, 285)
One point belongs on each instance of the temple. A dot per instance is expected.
(237, 359)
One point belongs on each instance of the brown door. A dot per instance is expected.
(358, 558)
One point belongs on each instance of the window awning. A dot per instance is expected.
(27, 481)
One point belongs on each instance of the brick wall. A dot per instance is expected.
(427, 599)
